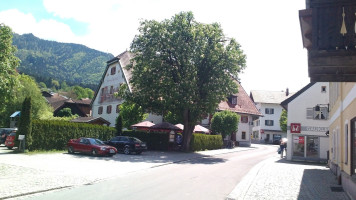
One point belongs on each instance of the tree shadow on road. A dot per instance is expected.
(156, 157)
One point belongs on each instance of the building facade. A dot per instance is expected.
(266, 128)
(105, 104)
(308, 120)
(242, 105)
(342, 132)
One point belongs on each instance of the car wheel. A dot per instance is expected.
(94, 152)
(127, 150)
(9, 148)
(70, 150)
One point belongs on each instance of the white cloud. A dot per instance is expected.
(268, 31)
(46, 29)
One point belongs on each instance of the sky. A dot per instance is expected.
(268, 31)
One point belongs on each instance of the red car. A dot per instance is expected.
(90, 146)
(10, 140)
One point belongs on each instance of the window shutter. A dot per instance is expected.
(310, 113)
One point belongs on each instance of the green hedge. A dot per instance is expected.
(50, 135)
(154, 140)
(201, 142)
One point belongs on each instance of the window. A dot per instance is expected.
(269, 111)
(323, 89)
(353, 146)
(233, 100)
(269, 122)
(113, 70)
(243, 136)
(118, 108)
(100, 110)
(111, 89)
(108, 109)
(244, 119)
(346, 143)
(318, 113)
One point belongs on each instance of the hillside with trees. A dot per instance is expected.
(65, 62)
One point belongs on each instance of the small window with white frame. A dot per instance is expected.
(269, 111)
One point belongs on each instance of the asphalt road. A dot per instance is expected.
(209, 177)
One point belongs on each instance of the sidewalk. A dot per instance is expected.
(277, 178)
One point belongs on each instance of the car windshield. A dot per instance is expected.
(95, 141)
(132, 139)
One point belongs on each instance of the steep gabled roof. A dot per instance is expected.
(124, 59)
(285, 103)
(244, 104)
(272, 97)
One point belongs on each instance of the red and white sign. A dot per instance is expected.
(301, 140)
(295, 127)
(262, 131)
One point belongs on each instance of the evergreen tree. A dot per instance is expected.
(25, 125)
(118, 125)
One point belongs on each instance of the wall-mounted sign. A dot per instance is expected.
(262, 131)
(295, 127)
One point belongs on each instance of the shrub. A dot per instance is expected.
(201, 142)
(54, 135)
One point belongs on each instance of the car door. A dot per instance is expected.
(122, 142)
(114, 141)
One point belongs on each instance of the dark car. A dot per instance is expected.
(90, 146)
(127, 144)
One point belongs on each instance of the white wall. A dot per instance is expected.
(297, 113)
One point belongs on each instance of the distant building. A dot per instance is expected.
(79, 107)
(241, 104)
(308, 120)
(266, 128)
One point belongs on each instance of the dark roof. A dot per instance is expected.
(165, 125)
(90, 120)
(244, 103)
(285, 103)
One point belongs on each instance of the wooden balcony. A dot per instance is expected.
(329, 33)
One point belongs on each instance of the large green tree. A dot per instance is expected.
(225, 123)
(283, 121)
(184, 67)
(8, 74)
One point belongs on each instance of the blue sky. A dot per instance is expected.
(268, 31)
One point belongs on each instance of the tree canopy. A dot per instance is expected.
(131, 113)
(8, 64)
(184, 67)
(283, 121)
(225, 123)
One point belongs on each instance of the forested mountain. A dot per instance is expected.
(73, 63)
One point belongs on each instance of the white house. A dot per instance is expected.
(308, 121)
(267, 128)
(104, 103)
(241, 104)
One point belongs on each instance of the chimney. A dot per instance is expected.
(287, 92)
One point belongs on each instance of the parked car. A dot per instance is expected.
(10, 140)
(90, 146)
(127, 144)
(4, 132)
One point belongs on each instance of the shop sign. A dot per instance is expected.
(295, 127)
(262, 131)
(301, 140)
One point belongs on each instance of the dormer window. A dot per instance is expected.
(233, 99)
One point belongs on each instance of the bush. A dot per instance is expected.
(154, 140)
(201, 142)
(54, 135)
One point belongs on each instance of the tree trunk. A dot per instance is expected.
(188, 130)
